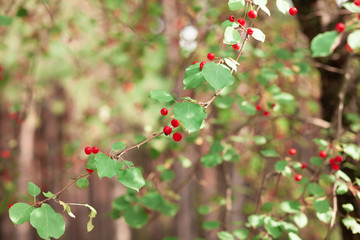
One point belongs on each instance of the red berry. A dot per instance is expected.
(11, 205)
(298, 177)
(266, 113)
(0, 68)
(292, 151)
(175, 123)
(335, 166)
(202, 65)
(252, 14)
(194, 62)
(241, 21)
(293, 11)
(331, 160)
(232, 18)
(95, 150)
(87, 150)
(348, 48)
(340, 27)
(359, 16)
(236, 46)
(357, 2)
(258, 107)
(167, 130)
(89, 170)
(338, 159)
(323, 154)
(303, 165)
(5, 154)
(273, 105)
(211, 56)
(177, 137)
(164, 111)
(250, 31)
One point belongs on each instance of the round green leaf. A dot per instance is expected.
(301, 219)
(152, 200)
(161, 96)
(217, 75)
(231, 36)
(106, 167)
(315, 189)
(258, 35)
(190, 114)
(246, 107)
(235, 5)
(193, 77)
(293, 236)
(131, 178)
(211, 224)
(321, 206)
(354, 39)
(33, 189)
(225, 236)
(290, 206)
(322, 44)
(82, 183)
(20, 213)
(135, 216)
(211, 160)
(118, 146)
(284, 5)
(348, 207)
(241, 233)
(47, 222)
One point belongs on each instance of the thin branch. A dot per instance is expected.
(228, 184)
(333, 216)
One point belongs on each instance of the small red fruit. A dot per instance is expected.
(87, 150)
(273, 105)
(266, 113)
(241, 21)
(211, 56)
(194, 62)
(323, 154)
(95, 150)
(177, 137)
(258, 107)
(298, 177)
(0, 68)
(293, 11)
(359, 16)
(89, 170)
(5, 154)
(11, 205)
(292, 151)
(252, 14)
(357, 2)
(167, 130)
(335, 167)
(250, 31)
(331, 160)
(338, 159)
(202, 65)
(348, 48)
(175, 123)
(340, 27)
(164, 111)
(232, 18)
(236, 46)
(303, 165)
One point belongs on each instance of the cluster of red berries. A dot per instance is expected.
(265, 113)
(210, 56)
(174, 123)
(89, 150)
(298, 177)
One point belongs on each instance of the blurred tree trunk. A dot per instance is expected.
(316, 17)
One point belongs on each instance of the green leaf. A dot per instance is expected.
(121, 203)
(283, 97)
(293, 236)
(131, 178)
(265, 76)
(354, 39)
(5, 20)
(231, 63)
(241, 233)
(193, 76)
(343, 176)
(315, 189)
(348, 207)
(317, 161)
(262, 5)
(272, 227)
(33, 189)
(225, 235)
(280, 165)
(351, 223)
(231, 36)
(167, 175)
(259, 140)
(322, 44)
(91, 164)
(204, 210)
(290, 206)
(352, 150)
(341, 188)
(190, 114)
(288, 227)
(67, 209)
(211, 224)
(255, 221)
(267, 207)
(48, 194)
(161, 96)
(321, 142)
(168, 208)
(152, 200)
(269, 153)
(301, 219)
(235, 5)
(284, 5)
(118, 146)
(106, 167)
(217, 75)
(82, 183)
(92, 215)
(351, 7)
(47, 222)
(185, 162)
(325, 217)
(211, 160)
(321, 206)
(19, 213)
(246, 107)
(224, 102)
(258, 35)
